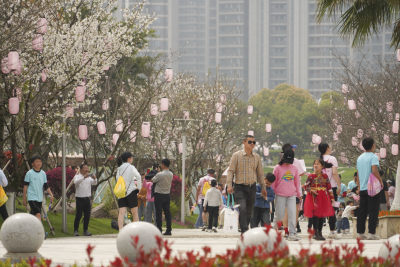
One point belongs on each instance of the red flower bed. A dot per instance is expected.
(54, 177)
(389, 213)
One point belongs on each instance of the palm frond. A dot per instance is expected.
(330, 8)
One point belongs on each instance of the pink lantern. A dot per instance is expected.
(153, 109)
(13, 60)
(360, 133)
(218, 117)
(132, 136)
(43, 75)
(395, 149)
(169, 75)
(249, 109)
(395, 127)
(115, 138)
(357, 114)
(268, 127)
(13, 105)
(223, 98)
(382, 153)
(397, 117)
(83, 132)
(250, 133)
(105, 105)
(335, 137)
(164, 103)
(398, 54)
(386, 139)
(4, 66)
(119, 125)
(351, 104)
(146, 129)
(339, 129)
(354, 141)
(80, 92)
(389, 106)
(18, 71)
(265, 151)
(180, 148)
(41, 26)
(69, 111)
(219, 107)
(101, 127)
(345, 88)
(186, 115)
(37, 43)
(318, 140)
(18, 92)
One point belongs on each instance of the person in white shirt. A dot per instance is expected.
(212, 202)
(347, 213)
(83, 192)
(200, 197)
(3, 183)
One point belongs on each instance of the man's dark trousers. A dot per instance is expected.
(245, 196)
(162, 203)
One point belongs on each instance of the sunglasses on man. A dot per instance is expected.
(251, 142)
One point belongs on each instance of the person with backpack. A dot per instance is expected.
(203, 186)
(133, 183)
(367, 167)
(212, 202)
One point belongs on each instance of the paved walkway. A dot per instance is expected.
(73, 249)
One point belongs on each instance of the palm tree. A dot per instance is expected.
(362, 18)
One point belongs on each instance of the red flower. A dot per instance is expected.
(89, 251)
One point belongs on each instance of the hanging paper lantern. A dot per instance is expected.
(43, 75)
(83, 132)
(318, 140)
(80, 92)
(18, 71)
(105, 105)
(180, 148)
(223, 98)
(268, 127)
(360, 133)
(354, 141)
(395, 127)
(382, 153)
(13, 105)
(395, 149)
(389, 106)
(357, 114)
(339, 129)
(186, 115)
(250, 133)
(398, 54)
(4, 66)
(335, 137)
(386, 139)
(132, 136)
(101, 127)
(249, 109)
(169, 75)
(218, 117)
(219, 107)
(345, 88)
(351, 104)
(146, 129)
(265, 151)
(69, 111)
(397, 117)
(119, 125)
(115, 138)
(164, 103)
(13, 60)
(153, 109)
(37, 42)
(41, 26)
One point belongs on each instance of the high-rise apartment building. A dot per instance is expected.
(257, 43)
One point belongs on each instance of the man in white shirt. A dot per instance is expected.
(83, 192)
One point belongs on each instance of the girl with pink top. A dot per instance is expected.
(286, 188)
(150, 208)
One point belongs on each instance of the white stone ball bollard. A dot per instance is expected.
(258, 236)
(394, 243)
(22, 233)
(146, 232)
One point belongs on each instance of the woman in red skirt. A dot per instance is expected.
(318, 203)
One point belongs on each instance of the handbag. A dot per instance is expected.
(3, 196)
(374, 186)
(231, 216)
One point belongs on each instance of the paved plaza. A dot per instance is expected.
(72, 250)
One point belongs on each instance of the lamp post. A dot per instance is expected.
(64, 179)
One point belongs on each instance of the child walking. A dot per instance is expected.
(286, 188)
(262, 206)
(347, 213)
(212, 202)
(318, 204)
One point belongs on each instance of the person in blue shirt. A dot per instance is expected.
(352, 184)
(262, 206)
(367, 163)
(34, 184)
